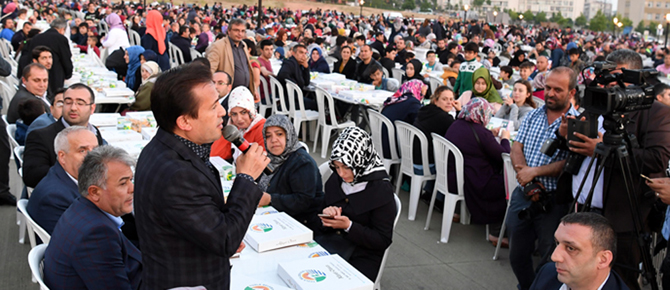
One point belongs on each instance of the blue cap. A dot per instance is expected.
(571, 45)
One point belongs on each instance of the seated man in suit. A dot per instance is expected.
(584, 255)
(56, 192)
(87, 248)
(296, 69)
(39, 156)
(49, 117)
(183, 42)
(35, 84)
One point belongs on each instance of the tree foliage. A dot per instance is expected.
(540, 17)
(513, 15)
(600, 22)
(426, 4)
(528, 16)
(581, 20)
(409, 5)
(653, 25)
(478, 3)
(640, 27)
(556, 17)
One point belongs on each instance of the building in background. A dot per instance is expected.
(568, 8)
(650, 11)
(591, 7)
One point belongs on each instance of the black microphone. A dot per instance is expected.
(232, 135)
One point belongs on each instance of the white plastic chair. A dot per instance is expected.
(497, 48)
(435, 83)
(503, 61)
(103, 27)
(510, 185)
(176, 55)
(387, 74)
(406, 135)
(279, 106)
(325, 171)
(11, 131)
(18, 154)
(397, 74)
(33, 227)
(194, 53)
(377, 122)
(442, 147)
(398, 206)
(327, 126)
(297, 111)
(134, 37)
(104, 53)
(539, 102)
(35, 258)
(263, 108)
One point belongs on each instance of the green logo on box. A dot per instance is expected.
(312, 276)
(261, 227)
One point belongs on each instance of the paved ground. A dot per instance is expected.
(416, 260)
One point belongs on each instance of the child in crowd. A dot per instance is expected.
(467, 68)
(575, 63)
(525, 70)
(506, 75)
(433, 64)
(451, 72)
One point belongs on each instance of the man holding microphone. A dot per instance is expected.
(187, 231)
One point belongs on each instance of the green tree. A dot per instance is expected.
(540, 17)
(652, 27)
(408, 5)
(640, 27)
(426, 5)
(528, 16)
(581, 20)
(488, 2)
(556, 17)
(478, 3)
(513, 15)
(600, 22)
(626, 22)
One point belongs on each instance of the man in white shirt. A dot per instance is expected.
(584, 255)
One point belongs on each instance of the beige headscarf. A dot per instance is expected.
(153, 69)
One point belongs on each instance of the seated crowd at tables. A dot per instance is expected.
(77, 177)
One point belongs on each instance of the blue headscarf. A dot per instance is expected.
(150, 55)
(133, 63)
(281, 52)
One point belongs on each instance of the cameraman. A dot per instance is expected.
(652, 129)
(535, 169)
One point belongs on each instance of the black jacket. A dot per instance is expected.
(372, 212)
(184, 45)
(430, 119)
(547, 278)
(21, 95)
(62, 57)
(349, 70)
(39, 155)
(389, 64)
(293, 71)
(379, 46)
(360, 72)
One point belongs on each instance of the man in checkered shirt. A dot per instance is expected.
(532, 165)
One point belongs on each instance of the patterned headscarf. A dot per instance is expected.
(477, 110)
(292, 145)
(490, 93)
(413, 87)
(114, 21)
(355, 150)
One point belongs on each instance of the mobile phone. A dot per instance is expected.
(647, 178)
(326, 216)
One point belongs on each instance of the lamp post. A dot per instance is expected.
(667, 26)
(659, 30)
(495, 16)
(520, 18)
(615, 20)
(260, 12)
(465, 15)
(361, 4)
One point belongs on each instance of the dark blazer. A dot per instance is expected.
(88, 251)
(51, 197)
(296, 189)
(21, 95)
(405, 111)
(184, 45)
(60, 50)
(39, 154)
(186, 230)
(42, 121)
(372, 212)
(349, 70)
(430, 119)
(379, 46)
(150, 43)
(547, 278)
(388, 64)
(293, 71)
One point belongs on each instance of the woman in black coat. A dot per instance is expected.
(347, 65)
(359, 204)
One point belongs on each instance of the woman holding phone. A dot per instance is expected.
(360, 208)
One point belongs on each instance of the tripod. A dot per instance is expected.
(613, 148)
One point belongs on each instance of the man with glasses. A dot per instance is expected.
(230, 55)
(39, 155)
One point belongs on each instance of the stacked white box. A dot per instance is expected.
(268, 232)
(326, 272)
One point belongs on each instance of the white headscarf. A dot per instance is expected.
(151, 67)
(242, 97)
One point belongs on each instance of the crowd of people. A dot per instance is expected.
(532, 76)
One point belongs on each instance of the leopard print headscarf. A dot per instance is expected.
(355, 150)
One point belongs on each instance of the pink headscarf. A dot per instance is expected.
(114, 21)
(9, 8)
(413, 86)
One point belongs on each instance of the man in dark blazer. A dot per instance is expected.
(179, 194)
(183, 42)
(35, 85)
(56, 192)
(296, 69)
(584, 255)
(60, 48)
(88, 250)
(39, 155)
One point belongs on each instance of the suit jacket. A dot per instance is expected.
(21, 95)
(60, 49)
(39, 154)
(42, 121)
(186, 230)
(349, 70)
(293, 71)
(547, 279)
(51, 197)
(220, 56)
(88, 251)
(184, 44)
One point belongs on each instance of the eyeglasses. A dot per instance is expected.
(79, 103)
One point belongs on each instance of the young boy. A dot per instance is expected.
(526, 68)
(506, 75)
(575, 63)
(451, 72)
(467, 68)
(433, 64)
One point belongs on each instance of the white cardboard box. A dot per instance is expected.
(268, 232)
(148, 133)
(326, 272)
(134, 148)
(265, 210)
(121, 136)
(241, 282)
(104, 119)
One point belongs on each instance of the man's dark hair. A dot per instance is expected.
(572, 75)
(191, 30)
(360, 37)
(471, 47)
(39, 50)
(389, 49)
(29, 68)
(452, 45)
(27, 23)
(83, 24)
(202, 61)
(340, 40)
(295, 48)
(602, 236)
(526, 64)
(507, 69)
(80, 86)
(265, 43)
(574, 51)
(430, 52)
(372, 68)
(174, 93)
(626, 57)
(660, 88)
(229, 80)
(30, 109)
(183, 29)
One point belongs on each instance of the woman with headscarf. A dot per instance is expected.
(150, 72)
(317, 63)
(242, 114)
(133, 61)
(294, 186)
(117, 37)
(9, 12)
(413, 71)
(519, 57)
(404, 106)
(482, 87)
(155, 39)
(359, 204)
(484, 185)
